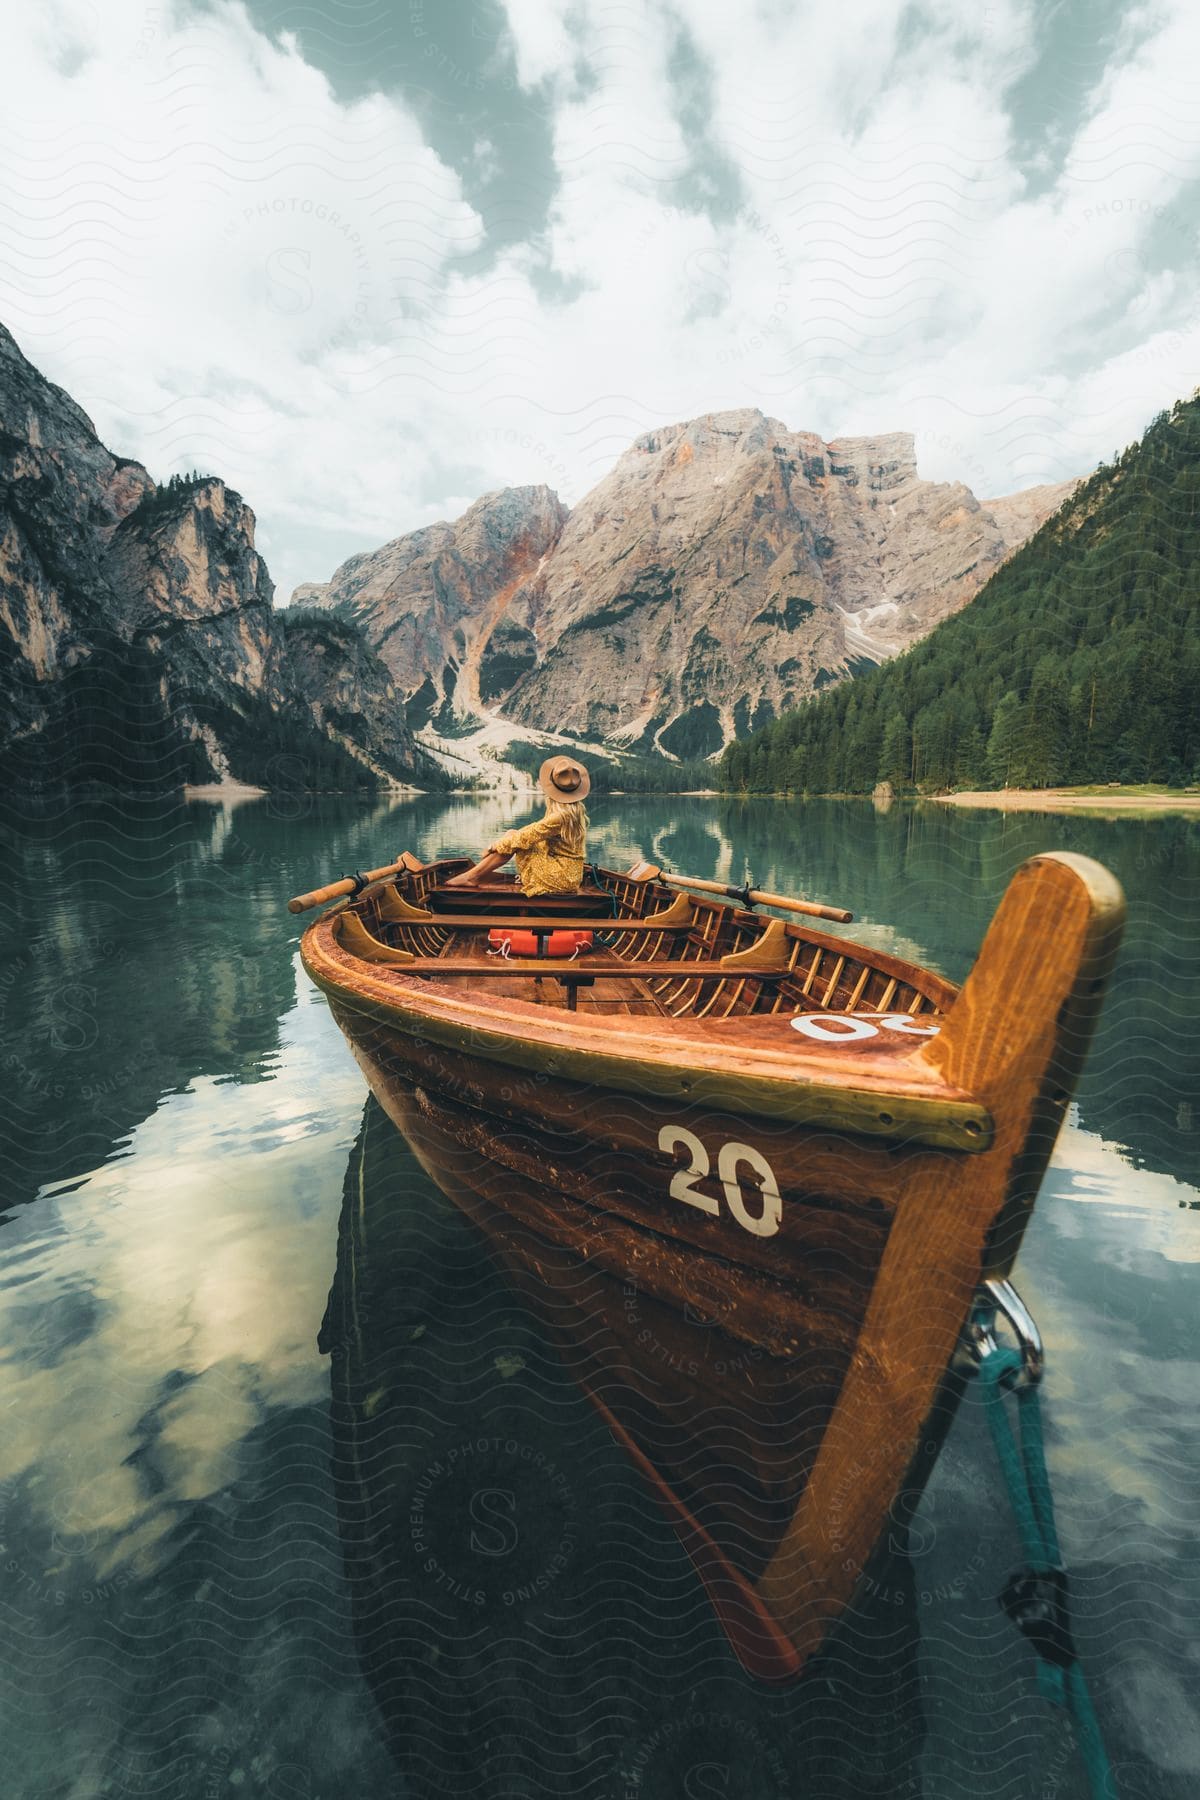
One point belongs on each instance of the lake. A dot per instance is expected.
(210, 1240)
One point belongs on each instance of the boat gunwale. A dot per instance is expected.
(802, 1084)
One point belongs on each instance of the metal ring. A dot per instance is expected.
(996, 1296)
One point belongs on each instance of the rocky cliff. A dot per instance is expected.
(447, 607)
(349, 691)
(138, 643)
(724, 570)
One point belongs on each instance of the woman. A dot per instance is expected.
(549, 852)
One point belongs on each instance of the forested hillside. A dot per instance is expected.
(1079, 661)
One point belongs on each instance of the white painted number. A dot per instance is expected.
(843, 1028)
(767, 1222)
(834, 1031)
(683, 1183)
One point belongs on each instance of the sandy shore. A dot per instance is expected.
(1065, 800)
(232, 793)
(223, 791)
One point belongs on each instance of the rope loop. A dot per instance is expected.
(1036, 1597)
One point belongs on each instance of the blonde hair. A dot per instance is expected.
(571, 820)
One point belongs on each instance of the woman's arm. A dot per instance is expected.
(539, 832)
(498, 853)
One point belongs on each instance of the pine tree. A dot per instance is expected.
(1046, 726)
(896, 754)
(970, 763)
(1003, 746)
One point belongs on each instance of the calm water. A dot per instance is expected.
(210, 1245)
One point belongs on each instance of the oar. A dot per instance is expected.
(753, 897)
(349, 884)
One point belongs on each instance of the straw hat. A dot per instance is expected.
(562, 778)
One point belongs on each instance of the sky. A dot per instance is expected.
(368, 260)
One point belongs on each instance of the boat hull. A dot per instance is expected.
(812, 1208)
(838, 1237)
(580, 1183)
(589, 1599)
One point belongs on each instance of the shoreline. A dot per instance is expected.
(1069, 800)
(222, 791)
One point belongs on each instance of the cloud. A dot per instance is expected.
(234, 269)
(540, 35)
(217, 257)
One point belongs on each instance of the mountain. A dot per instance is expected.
(1079, 661)
(138, 642)
(446, 606)
(723, 570)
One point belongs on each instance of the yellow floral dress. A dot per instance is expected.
(543, 866)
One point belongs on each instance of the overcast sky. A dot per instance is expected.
(368, 261)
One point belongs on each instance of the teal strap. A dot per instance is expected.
(1028, 1483)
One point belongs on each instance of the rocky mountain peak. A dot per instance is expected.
(185, 557)
(138, 643)
(100, 489)
(728, 567)
(881, 464)
(714, 434)
(722, 571)
(449, 606)
(725, 568)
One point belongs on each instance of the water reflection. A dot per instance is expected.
(144, 947)
(513, 1583)
(189, 1545)
(169, 1563)
(1108, 1266)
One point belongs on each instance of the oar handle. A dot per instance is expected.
(837, 913)
(349, 884)
(694, 881)
(782, 901)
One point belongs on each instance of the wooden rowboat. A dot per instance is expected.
(835, 1149)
